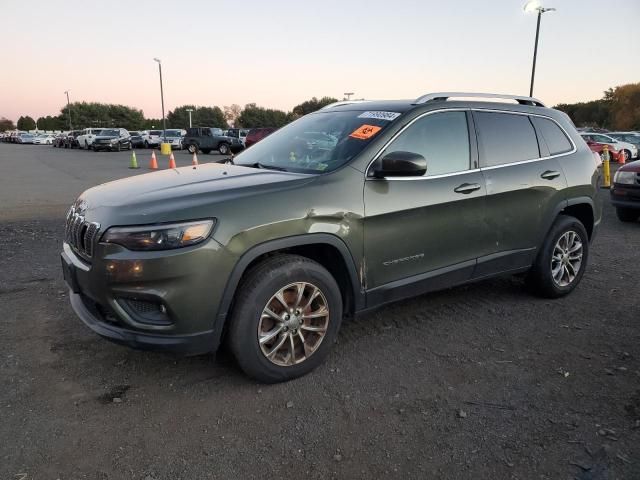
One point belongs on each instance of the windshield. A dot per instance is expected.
(174, 133)
(316, 143)
(110, 133)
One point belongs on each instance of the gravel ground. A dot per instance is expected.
(481, 381)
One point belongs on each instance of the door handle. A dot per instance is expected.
(550, 174)
(467, 188)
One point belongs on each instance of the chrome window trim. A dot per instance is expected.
(462, 172)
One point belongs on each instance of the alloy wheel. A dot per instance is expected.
(293, 324)
(566, 260)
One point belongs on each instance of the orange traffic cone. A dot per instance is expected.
(154, 162)
(194, 162)
(621, 156)
(172, 161)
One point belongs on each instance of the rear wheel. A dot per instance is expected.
(287, 313)
(192, 148)
(626, 155)
(627, 214)
(561, 260)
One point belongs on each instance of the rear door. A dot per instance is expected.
(423, 233)
(525, 185)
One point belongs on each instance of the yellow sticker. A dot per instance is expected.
(365, 132)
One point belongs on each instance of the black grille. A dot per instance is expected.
(79, 233)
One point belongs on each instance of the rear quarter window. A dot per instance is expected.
(505, 138)
(553, 136)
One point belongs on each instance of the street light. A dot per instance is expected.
(189, 110)
(164, 123)
(69, 108)
(535, 6)
(347, 95)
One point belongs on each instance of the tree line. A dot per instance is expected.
(93, 114)
(618, 109)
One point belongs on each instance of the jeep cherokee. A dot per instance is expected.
(343, 210)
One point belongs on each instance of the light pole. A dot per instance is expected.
(69, 109)
(347, 95)
(164, 123)
(534, 6)
(189, 110)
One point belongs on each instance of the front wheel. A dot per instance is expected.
(562, 259)
(223, 148)
(627, 214)
(626, 155)
(192, 148)
(287, 313)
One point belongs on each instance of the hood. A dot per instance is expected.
(631, 167)
(181, 193)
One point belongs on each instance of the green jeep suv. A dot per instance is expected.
(343, 210)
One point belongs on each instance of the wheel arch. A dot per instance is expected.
(582, 208)
(328, 250)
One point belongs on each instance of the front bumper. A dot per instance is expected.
(104, 146)
(625, 196)
(184, 285)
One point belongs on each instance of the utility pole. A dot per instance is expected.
(69, 109)
(164, 122)
(534, 6)
(189, 110)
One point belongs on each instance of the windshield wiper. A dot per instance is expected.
(266, 167)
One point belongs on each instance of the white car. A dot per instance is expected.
(87, 136)
(151, 138)
(174, 138)
(630, 150)
(44, 139)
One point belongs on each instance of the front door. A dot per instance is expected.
(423, 233)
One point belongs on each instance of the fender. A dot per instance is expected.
(280, 244)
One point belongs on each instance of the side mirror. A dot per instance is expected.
(400, 164)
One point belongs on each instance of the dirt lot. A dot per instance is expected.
(482, 381)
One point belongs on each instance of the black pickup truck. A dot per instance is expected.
(206, 139)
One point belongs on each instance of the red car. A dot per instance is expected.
(614, 155)
(257, 134)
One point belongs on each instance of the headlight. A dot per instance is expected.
(624, 178)
(114, 140)
(160, 237)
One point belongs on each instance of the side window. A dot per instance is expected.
(505, 138)
(554, 137)
(441, 138)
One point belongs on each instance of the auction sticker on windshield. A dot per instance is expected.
(380, 115)
(364, 132)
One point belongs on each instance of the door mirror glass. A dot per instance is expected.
(400, 164)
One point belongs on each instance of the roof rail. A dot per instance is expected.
(534, 102)
(343, 102)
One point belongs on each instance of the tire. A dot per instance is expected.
(86, 144)
(257, 291)
(146, 144)
(192, 148)
(627, 156)
(119, 147)
(541, 278)
(627, 214)
(223, 148)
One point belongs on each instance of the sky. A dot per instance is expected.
(279, 53)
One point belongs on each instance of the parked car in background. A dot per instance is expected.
(206, 139)
(59, 139)
(86, 137)
(112, 139)
(151, 138)
(14, 137)
(25, 138)
(136, 139)
(257, 134)
(174, 138)
(628, 150)
(240, 133)
(44, 139)
(70, 140)
(625, 193)
(629, 137)
(614, 155)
